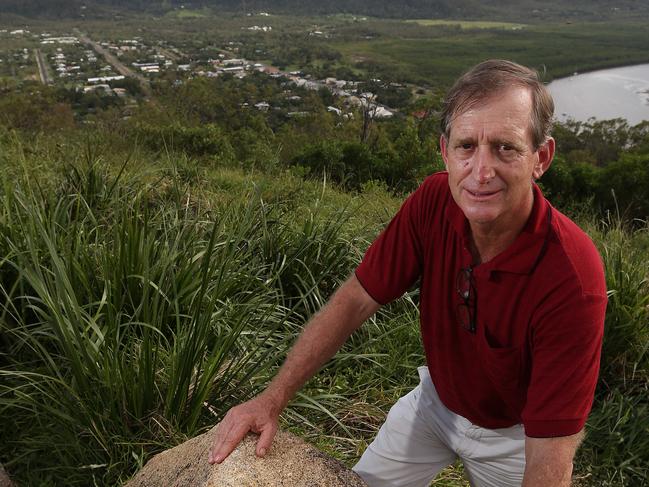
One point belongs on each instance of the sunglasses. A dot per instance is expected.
(467, 309)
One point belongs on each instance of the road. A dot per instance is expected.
(171, 55)
(42, 67)
(115, 63)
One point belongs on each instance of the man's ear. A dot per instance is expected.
(443, 148)
(545, 155)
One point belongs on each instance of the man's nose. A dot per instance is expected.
(483, 165)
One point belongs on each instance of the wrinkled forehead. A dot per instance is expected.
(510, 107)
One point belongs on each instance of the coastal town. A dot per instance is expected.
(126, 68)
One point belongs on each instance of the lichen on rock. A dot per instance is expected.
(5, 481)
(291, 462)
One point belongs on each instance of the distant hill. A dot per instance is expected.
(464, 9)
(71, 9)
(41, 8)
(525, 10)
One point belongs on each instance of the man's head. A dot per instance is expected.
(496, 142)
(490, 78)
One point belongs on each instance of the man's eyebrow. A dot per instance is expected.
(508, 142)
(464, 139)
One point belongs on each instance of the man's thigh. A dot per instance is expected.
(408, 450)
(498, 459)
(421, 436)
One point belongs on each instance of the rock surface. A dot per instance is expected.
(5, 481)
(290, 462)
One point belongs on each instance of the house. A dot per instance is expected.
(233, 69)
(354, 100)
(234, 62)
(380, 112)
(100, 87)
(60, 40)
(267, 69)
(147, 67)
(105, 79)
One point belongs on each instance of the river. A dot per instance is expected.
(605, 94)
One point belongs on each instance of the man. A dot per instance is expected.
(512, 303)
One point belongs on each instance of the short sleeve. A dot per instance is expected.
(566, 346)
(394, 261)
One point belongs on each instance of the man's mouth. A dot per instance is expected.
(481, 195)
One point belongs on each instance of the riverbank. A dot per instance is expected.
(621, 92)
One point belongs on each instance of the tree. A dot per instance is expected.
(624, 185)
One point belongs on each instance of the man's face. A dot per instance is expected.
(491, 161)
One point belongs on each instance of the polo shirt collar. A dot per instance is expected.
(523, 254)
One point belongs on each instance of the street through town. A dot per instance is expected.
(120, 67)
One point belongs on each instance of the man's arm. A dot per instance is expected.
(548, 461)
(325, 333)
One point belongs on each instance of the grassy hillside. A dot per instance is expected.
(143, 293)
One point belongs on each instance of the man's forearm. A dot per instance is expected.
(539, 475)
(325, 333)
(322, 337)
(548, 461)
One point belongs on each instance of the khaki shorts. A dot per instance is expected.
(421, 436)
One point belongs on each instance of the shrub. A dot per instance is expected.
(208, 139)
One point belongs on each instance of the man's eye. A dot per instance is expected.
(507, 152)
(466, 146)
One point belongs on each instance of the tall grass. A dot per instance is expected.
(124, 324)
(616, 450)
(135, 312)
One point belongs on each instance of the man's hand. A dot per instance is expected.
(259, 415)
(325, 333)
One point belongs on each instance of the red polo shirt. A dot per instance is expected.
(534, 358)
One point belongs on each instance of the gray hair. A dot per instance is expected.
(488, 78)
